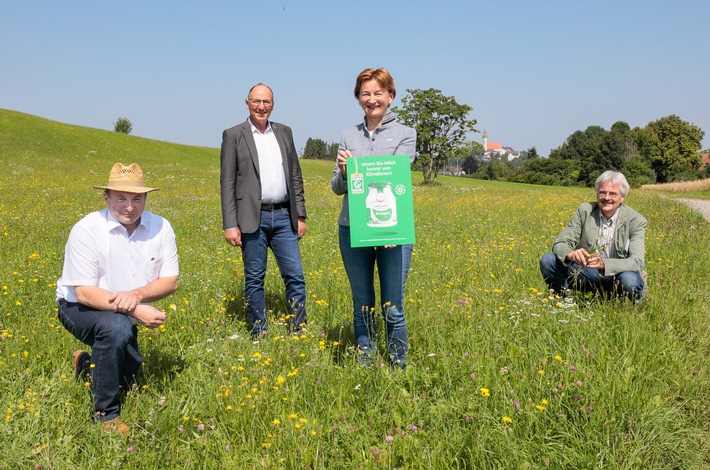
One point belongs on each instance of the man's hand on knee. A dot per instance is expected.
(148, 316)
(125, 301)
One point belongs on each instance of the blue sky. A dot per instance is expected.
(534, 71)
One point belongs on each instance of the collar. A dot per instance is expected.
(255, 130)
(388, 118)
(113, 223)
(611, 220)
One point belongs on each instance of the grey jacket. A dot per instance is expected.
(583, 231)
(390, 138)
(240, 182)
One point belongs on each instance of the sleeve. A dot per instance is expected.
(568, 238)
(634, 261)
(170, 265)
(297, 177)
(228, 181)
(338, 182)
(81, 260)
(408, 145)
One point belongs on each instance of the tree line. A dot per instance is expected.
(663, 151)
(320, 150)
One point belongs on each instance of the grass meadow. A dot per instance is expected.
(500, 374)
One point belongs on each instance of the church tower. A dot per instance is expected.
(485, 140)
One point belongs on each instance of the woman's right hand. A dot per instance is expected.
(343, 155)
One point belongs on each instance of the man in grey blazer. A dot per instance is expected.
(602, 247)
(263, 206)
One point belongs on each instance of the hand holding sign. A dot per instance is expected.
(380, 200)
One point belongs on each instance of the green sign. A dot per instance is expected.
(380, 201)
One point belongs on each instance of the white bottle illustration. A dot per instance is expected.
(381, 205)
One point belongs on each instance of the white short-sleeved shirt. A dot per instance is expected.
(99, 252)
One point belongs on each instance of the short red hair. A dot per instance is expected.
(380, 74)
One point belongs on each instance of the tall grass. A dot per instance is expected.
(696, 189)
(500, 375)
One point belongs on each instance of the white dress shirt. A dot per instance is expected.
(271, 170)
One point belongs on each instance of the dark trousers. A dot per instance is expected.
(560, 277)
(114, 353)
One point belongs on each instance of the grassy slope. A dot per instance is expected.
(621, 387)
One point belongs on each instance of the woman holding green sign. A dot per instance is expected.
(378, 135)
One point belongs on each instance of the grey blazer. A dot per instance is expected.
(239, 177)
(582, 232)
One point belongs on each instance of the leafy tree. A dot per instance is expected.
(613, 150)
(123, 125)
(548, 171)
(476, 148)
(441, 125)
(332, 153)
(461, 152)
(319, 149)
(581, 145)
(498, 171)
(473, 161)
(673, 148)
(471, 164)
(315, 148)
(530, 153)
(638, 172)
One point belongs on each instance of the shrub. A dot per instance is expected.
(123, 125)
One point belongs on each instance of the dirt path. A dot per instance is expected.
(699, 205)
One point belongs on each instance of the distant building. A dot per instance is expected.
(706, 160)
(497, 149)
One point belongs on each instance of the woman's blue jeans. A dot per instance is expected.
(360, 265)
(406, 262)
(114, 353)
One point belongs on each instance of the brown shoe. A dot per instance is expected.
(82, 363)
(116, 426)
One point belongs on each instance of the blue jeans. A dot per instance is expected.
(275, 231)
(360, 266)
(406, 262)
(560, 277)
(114, 353)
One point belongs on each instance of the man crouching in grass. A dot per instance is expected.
(602, 248)
(116, 261)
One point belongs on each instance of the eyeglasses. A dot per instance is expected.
(611, 195)
(257, 103)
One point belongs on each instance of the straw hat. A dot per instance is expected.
(128, 179)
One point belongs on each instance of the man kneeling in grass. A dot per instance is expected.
(116, 262)
(602, 248)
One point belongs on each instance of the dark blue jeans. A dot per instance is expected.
(560, 277)
(114, 353)
(406, 262)
(360, 266)
(275, 232)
